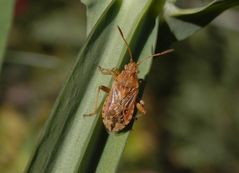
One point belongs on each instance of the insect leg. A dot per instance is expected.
(140, 107)
(96, 107)
(114, 71)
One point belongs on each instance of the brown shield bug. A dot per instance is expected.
(120, 103)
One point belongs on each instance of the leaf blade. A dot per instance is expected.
(185, 22)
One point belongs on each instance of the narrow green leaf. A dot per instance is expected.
(182, 23)
(203, 16)
(94, 9)
(6, 8)
(115, 144)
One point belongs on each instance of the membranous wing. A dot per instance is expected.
(119, 107)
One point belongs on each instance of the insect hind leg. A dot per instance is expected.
(96, 107)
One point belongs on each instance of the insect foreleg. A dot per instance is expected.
(114, 71)
(96, 107)
(140, 107)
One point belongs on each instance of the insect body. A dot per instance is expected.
(120, 103)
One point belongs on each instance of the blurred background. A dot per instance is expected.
(191, 97)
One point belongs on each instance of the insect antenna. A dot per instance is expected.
(157, 54)
(127, 45)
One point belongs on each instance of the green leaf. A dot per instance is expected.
(94, 10)
(203, 16)
(182, 23)
(71, 142)
(115, 144)
(6, 8)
